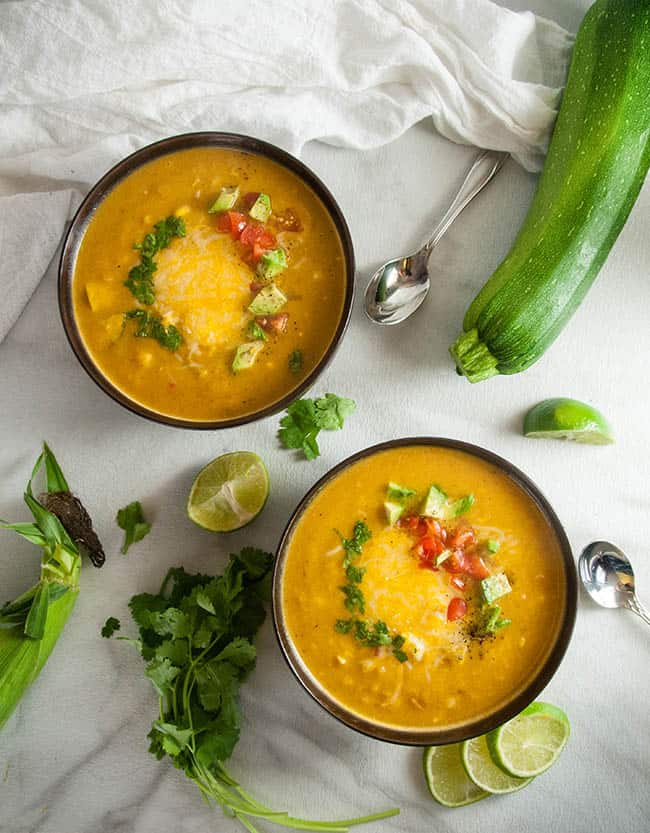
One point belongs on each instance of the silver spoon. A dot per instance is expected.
(609, 579)
(398, 287)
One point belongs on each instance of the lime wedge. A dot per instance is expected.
(567, 419)
(229, 492)
(446, 778)
(484, 772)
(528, 744)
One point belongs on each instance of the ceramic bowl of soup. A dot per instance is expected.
(424, 591)
(206, 280)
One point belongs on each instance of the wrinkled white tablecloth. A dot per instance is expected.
(84, 83)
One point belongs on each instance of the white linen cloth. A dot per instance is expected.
(84, 83)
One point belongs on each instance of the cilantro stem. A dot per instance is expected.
(247, 824)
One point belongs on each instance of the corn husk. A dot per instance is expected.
(31, 625)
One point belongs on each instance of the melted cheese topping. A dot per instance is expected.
(202, 287)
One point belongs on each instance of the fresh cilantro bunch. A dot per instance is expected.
(306, 418)
(196, 637)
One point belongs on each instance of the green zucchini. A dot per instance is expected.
(596, 164)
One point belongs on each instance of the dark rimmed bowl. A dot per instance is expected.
(84, 216)
(427, 737)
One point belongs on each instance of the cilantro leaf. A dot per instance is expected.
(131, 519)
(332, 411)
(162, 674)
(171, 621)
(354, 598)
(150, 325)
(307, 417)
(295, 361)
(111, 625)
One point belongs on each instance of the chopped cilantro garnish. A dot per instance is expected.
(354, 574)
(354, 599)
(307, 417)
(369, 634)
(131, 519)
(111, 625)
(151, 326)
(352, 546)
(140, 280)
(295, 361)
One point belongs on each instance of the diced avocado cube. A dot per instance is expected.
(267, 301)
(435, 503)
(272, 263)
(492, 545)
(397, 492)
(394, 511)
(261, 208)
(225, 201)
(245, 355)
(438, 505)
(494, 587)
(460, 506)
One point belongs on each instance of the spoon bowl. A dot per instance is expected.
(608, 577)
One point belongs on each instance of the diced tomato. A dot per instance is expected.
(475, 567)
(432, 526)
(418, 551)
(429, 544)
(462, 537)
(223, 222)
(255, 286)
(457, 609)
(249, 234)
(273, 323)
(457, 582)
(456, 563)
(409, 522)
(248, 200)
(235, 223)
(288, 220)
(259, 238)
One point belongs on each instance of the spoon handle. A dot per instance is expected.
(636, 607)
(485, 166)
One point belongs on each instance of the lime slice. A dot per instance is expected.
(528, 744)
(229, 492)
(484, 772)
(567, 419)
(446, 778)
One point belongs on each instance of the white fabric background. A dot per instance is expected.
(84, 83)
(73, 758)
